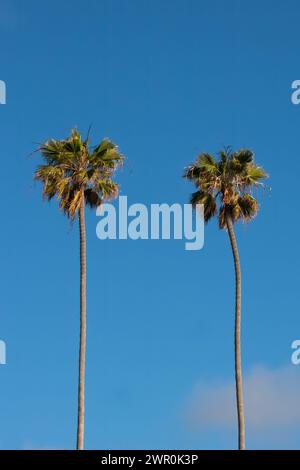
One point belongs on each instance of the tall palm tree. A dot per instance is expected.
(79, 175)
(225, 189)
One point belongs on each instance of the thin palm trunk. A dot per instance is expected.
(82, 348)
(238, 360)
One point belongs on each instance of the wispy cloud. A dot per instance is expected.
(271, 400)
(31, 446)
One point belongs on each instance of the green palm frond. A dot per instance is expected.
(243, 156)
(74, 172)
(224, 186)
(248, 206)
(208, 201)
(92, 199)
(207, 162)
(107, 188)
(205, 165)
(106, 154)
(254, 175)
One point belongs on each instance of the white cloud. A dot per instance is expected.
(271, 400)
(31, 446)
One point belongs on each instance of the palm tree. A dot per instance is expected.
(225, 189)
(79, 175)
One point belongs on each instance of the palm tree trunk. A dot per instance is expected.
(238, 360)
(82, 348)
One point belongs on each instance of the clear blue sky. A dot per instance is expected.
(165, 80)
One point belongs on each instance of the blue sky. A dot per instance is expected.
(165, 80)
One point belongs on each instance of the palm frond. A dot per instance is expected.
(243, 156)
(248, 206)
(92, 198)
(207, 200)
(227, 184)
(72, 169)
(254, 175)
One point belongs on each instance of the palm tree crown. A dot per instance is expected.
(224, 187)
(74, 172)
